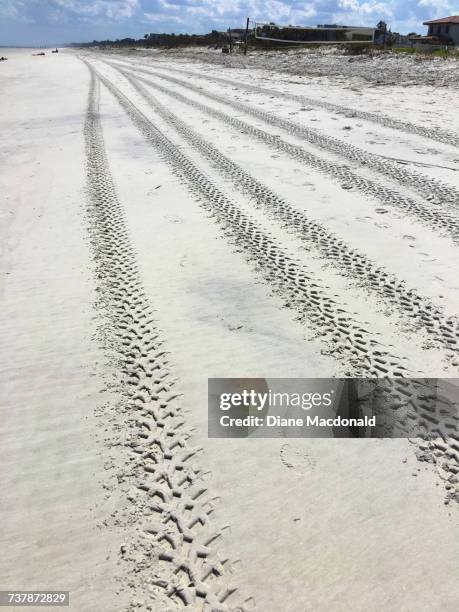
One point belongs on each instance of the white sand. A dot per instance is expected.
(52, 455)
(317, 525)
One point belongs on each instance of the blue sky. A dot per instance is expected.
(40, 22)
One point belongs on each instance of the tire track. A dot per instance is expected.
(437, 135)
(439, 192)
(180, 543)
(438, 220)
(349, 340)
(408, 409)
(412, 411)
(445, 330)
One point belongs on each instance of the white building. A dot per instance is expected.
(445, 29)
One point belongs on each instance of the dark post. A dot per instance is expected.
(246, 35)
(230, 41)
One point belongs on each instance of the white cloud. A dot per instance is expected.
(111, 9)
(351, 5)
(160, 18)
(370, 12)
(15, 9)
(8, 9)
(366, 8)
(439, 8)
(195, 14)
(435, 3)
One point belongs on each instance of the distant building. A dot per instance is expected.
(237, 34)
(445, 29)
(399, 40)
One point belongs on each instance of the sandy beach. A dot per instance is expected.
(173, 217)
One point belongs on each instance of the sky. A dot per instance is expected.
(43, 22)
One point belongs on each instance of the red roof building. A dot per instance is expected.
(446, 29)
(452, 19)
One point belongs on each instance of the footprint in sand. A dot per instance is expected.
(295, 456)
(173, 219)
